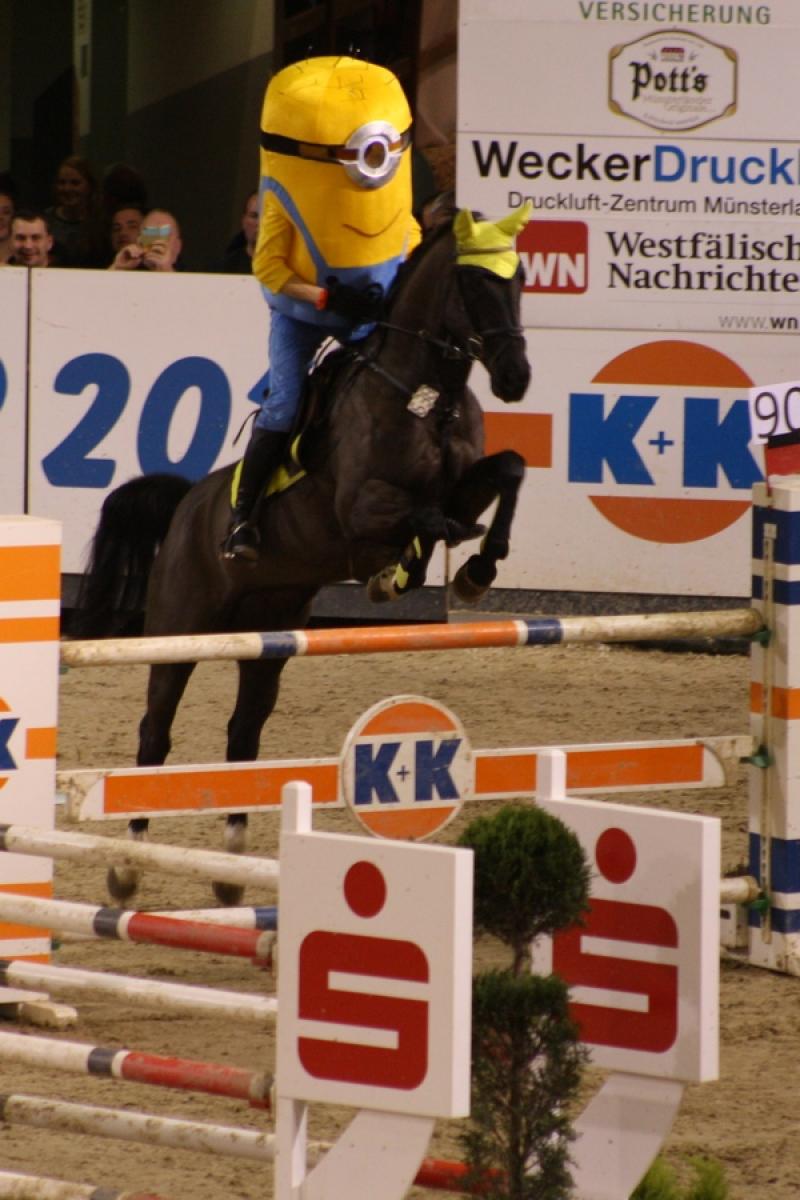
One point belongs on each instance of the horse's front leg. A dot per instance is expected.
(403, 576)
(498, 476)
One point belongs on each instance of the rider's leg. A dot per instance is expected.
(292, 345)
(260, 459)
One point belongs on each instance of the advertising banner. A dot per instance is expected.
(133, 373)
(662, 274)
(665, 178)
(643, 964)
(13, 387)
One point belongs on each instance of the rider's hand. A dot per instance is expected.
(355, 304)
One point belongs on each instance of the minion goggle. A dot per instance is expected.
(370, 156)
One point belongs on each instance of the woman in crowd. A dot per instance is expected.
(74, 217)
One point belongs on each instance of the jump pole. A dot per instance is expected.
(196, 1136)
(395, 639)
(157, 994)
(217, 865)
(135, 1066)
(127, 926)
(15, 1186)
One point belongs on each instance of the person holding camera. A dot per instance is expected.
(157, 247)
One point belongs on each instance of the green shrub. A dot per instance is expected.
(531, 878)
(526, 1068)
(661, 1183)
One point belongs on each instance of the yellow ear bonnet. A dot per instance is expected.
(490, 244)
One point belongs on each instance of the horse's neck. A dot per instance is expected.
(417, 308)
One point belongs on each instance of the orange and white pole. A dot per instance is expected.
(30, 583)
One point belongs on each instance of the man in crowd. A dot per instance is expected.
(158, 246)
(31, 239)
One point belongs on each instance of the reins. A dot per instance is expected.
(450, 349)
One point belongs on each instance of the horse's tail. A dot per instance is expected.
(133, 523)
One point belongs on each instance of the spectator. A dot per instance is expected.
(6, 217)
(74, 217)
(238, 258)
(125, 227)
(152, 251)
(122, 185)
(31, 239)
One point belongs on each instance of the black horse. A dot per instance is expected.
(394, 465)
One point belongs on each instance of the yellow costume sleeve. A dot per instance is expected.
(414, 236)
(273, 247)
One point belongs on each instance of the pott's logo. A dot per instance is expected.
(672, 80)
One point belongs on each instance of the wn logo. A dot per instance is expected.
(660, 440)
(7, 726)
(406, 768)
(555, 256)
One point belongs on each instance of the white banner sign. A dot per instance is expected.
(774, 410)
(13, 387)
(133, 373)
(643, 966)
(665, 181)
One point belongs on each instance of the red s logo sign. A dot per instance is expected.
(387, 958)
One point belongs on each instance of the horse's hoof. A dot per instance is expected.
(380, 588)
(472, 581)
(234, 839)
(228, 894)
(121, 883)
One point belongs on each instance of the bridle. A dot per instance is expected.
(467, 351)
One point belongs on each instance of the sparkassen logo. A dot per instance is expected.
(673, 80)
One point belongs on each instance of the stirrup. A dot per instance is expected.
(241, 542)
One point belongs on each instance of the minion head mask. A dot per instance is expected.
(339, 110)
(335, 139)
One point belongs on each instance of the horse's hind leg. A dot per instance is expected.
(259, 682)
(496, 476)
(166, 685)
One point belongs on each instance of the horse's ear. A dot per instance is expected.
(464, 227)
(516, 220)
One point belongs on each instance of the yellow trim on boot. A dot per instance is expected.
(281, 479)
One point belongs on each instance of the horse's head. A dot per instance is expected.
(489, 277)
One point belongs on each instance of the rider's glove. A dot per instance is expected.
(355, 304)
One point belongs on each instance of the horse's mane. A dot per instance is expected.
(430, 239)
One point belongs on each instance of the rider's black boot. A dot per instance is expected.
(260, 458)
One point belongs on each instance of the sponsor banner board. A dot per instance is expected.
(640, 461)
(13, 387)
(643, 965)
(375, 981)
(666, 186)
(131, 374)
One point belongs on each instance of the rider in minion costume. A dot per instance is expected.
(335, 225)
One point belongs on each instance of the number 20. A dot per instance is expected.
(70, 463)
